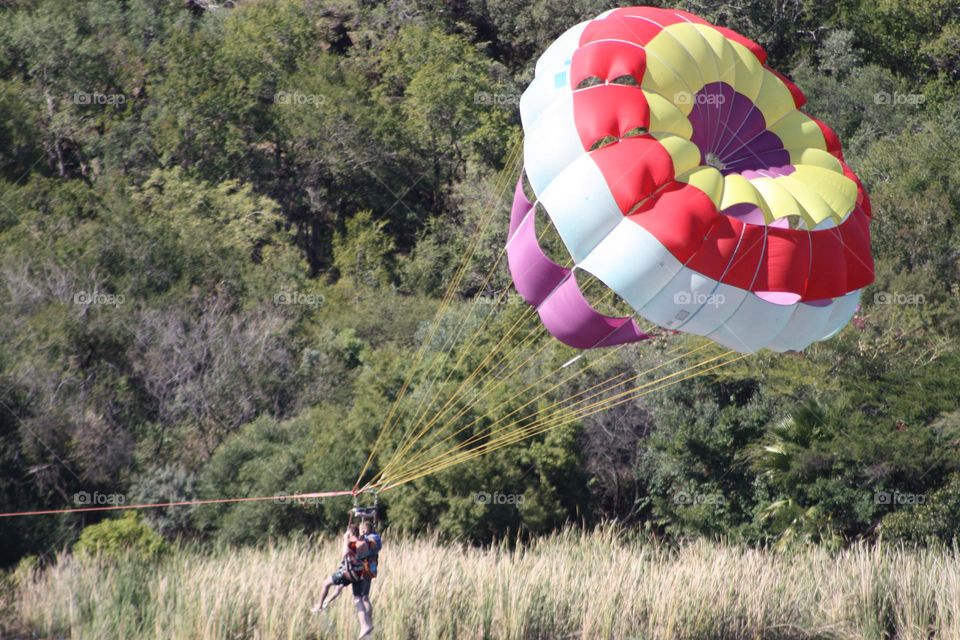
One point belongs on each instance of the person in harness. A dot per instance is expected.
(358, 568)
(344, 574)
(365, 567)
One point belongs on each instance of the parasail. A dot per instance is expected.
(678, 170)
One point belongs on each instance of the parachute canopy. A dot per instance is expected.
(678, 169)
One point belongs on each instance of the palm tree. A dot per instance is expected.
(779, 458)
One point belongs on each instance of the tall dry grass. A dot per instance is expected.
(571, 585)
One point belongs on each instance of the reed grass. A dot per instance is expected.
(570, 585)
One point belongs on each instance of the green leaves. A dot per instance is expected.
(120, 536)
(362, 255)
(281, 192)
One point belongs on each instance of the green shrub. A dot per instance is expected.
(936, 518)
(114, 537)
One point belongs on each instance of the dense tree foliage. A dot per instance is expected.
(225, 229)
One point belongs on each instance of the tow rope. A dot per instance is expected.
(282, 497)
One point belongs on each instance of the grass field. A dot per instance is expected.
(567, 586)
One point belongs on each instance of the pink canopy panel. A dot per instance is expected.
(554, 291)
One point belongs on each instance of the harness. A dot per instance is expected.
(366, 567)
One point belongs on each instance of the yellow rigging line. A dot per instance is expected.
(422, 411)
(564, 405)
(481, 395)
(489, 430)
(397, 456)
(551, 422)
(413, 434)
(389, 422)
(423, 407)
(459, 392)
(536, 383)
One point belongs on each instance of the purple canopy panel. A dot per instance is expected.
(553, 290)
(734, 131)
(570, 318)
(534, 274)
(521, 207)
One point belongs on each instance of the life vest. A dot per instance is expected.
(366, 566)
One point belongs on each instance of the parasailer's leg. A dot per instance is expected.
(336, 594)
(338, 579)
(366, 625)
(323, 596)
(361, 598)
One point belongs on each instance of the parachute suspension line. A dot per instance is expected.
(423, 407)
(460, 391)
(565, 405)
(468, 405)
(427, 435)
(519, 394)
(397, 458)
(531, 335)
(422, 457)
(450, 422)
(418, 463)
(489, 430)
(552, 422)
(414, 431)
(484, 391)
(537, 428)
(503, 182)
